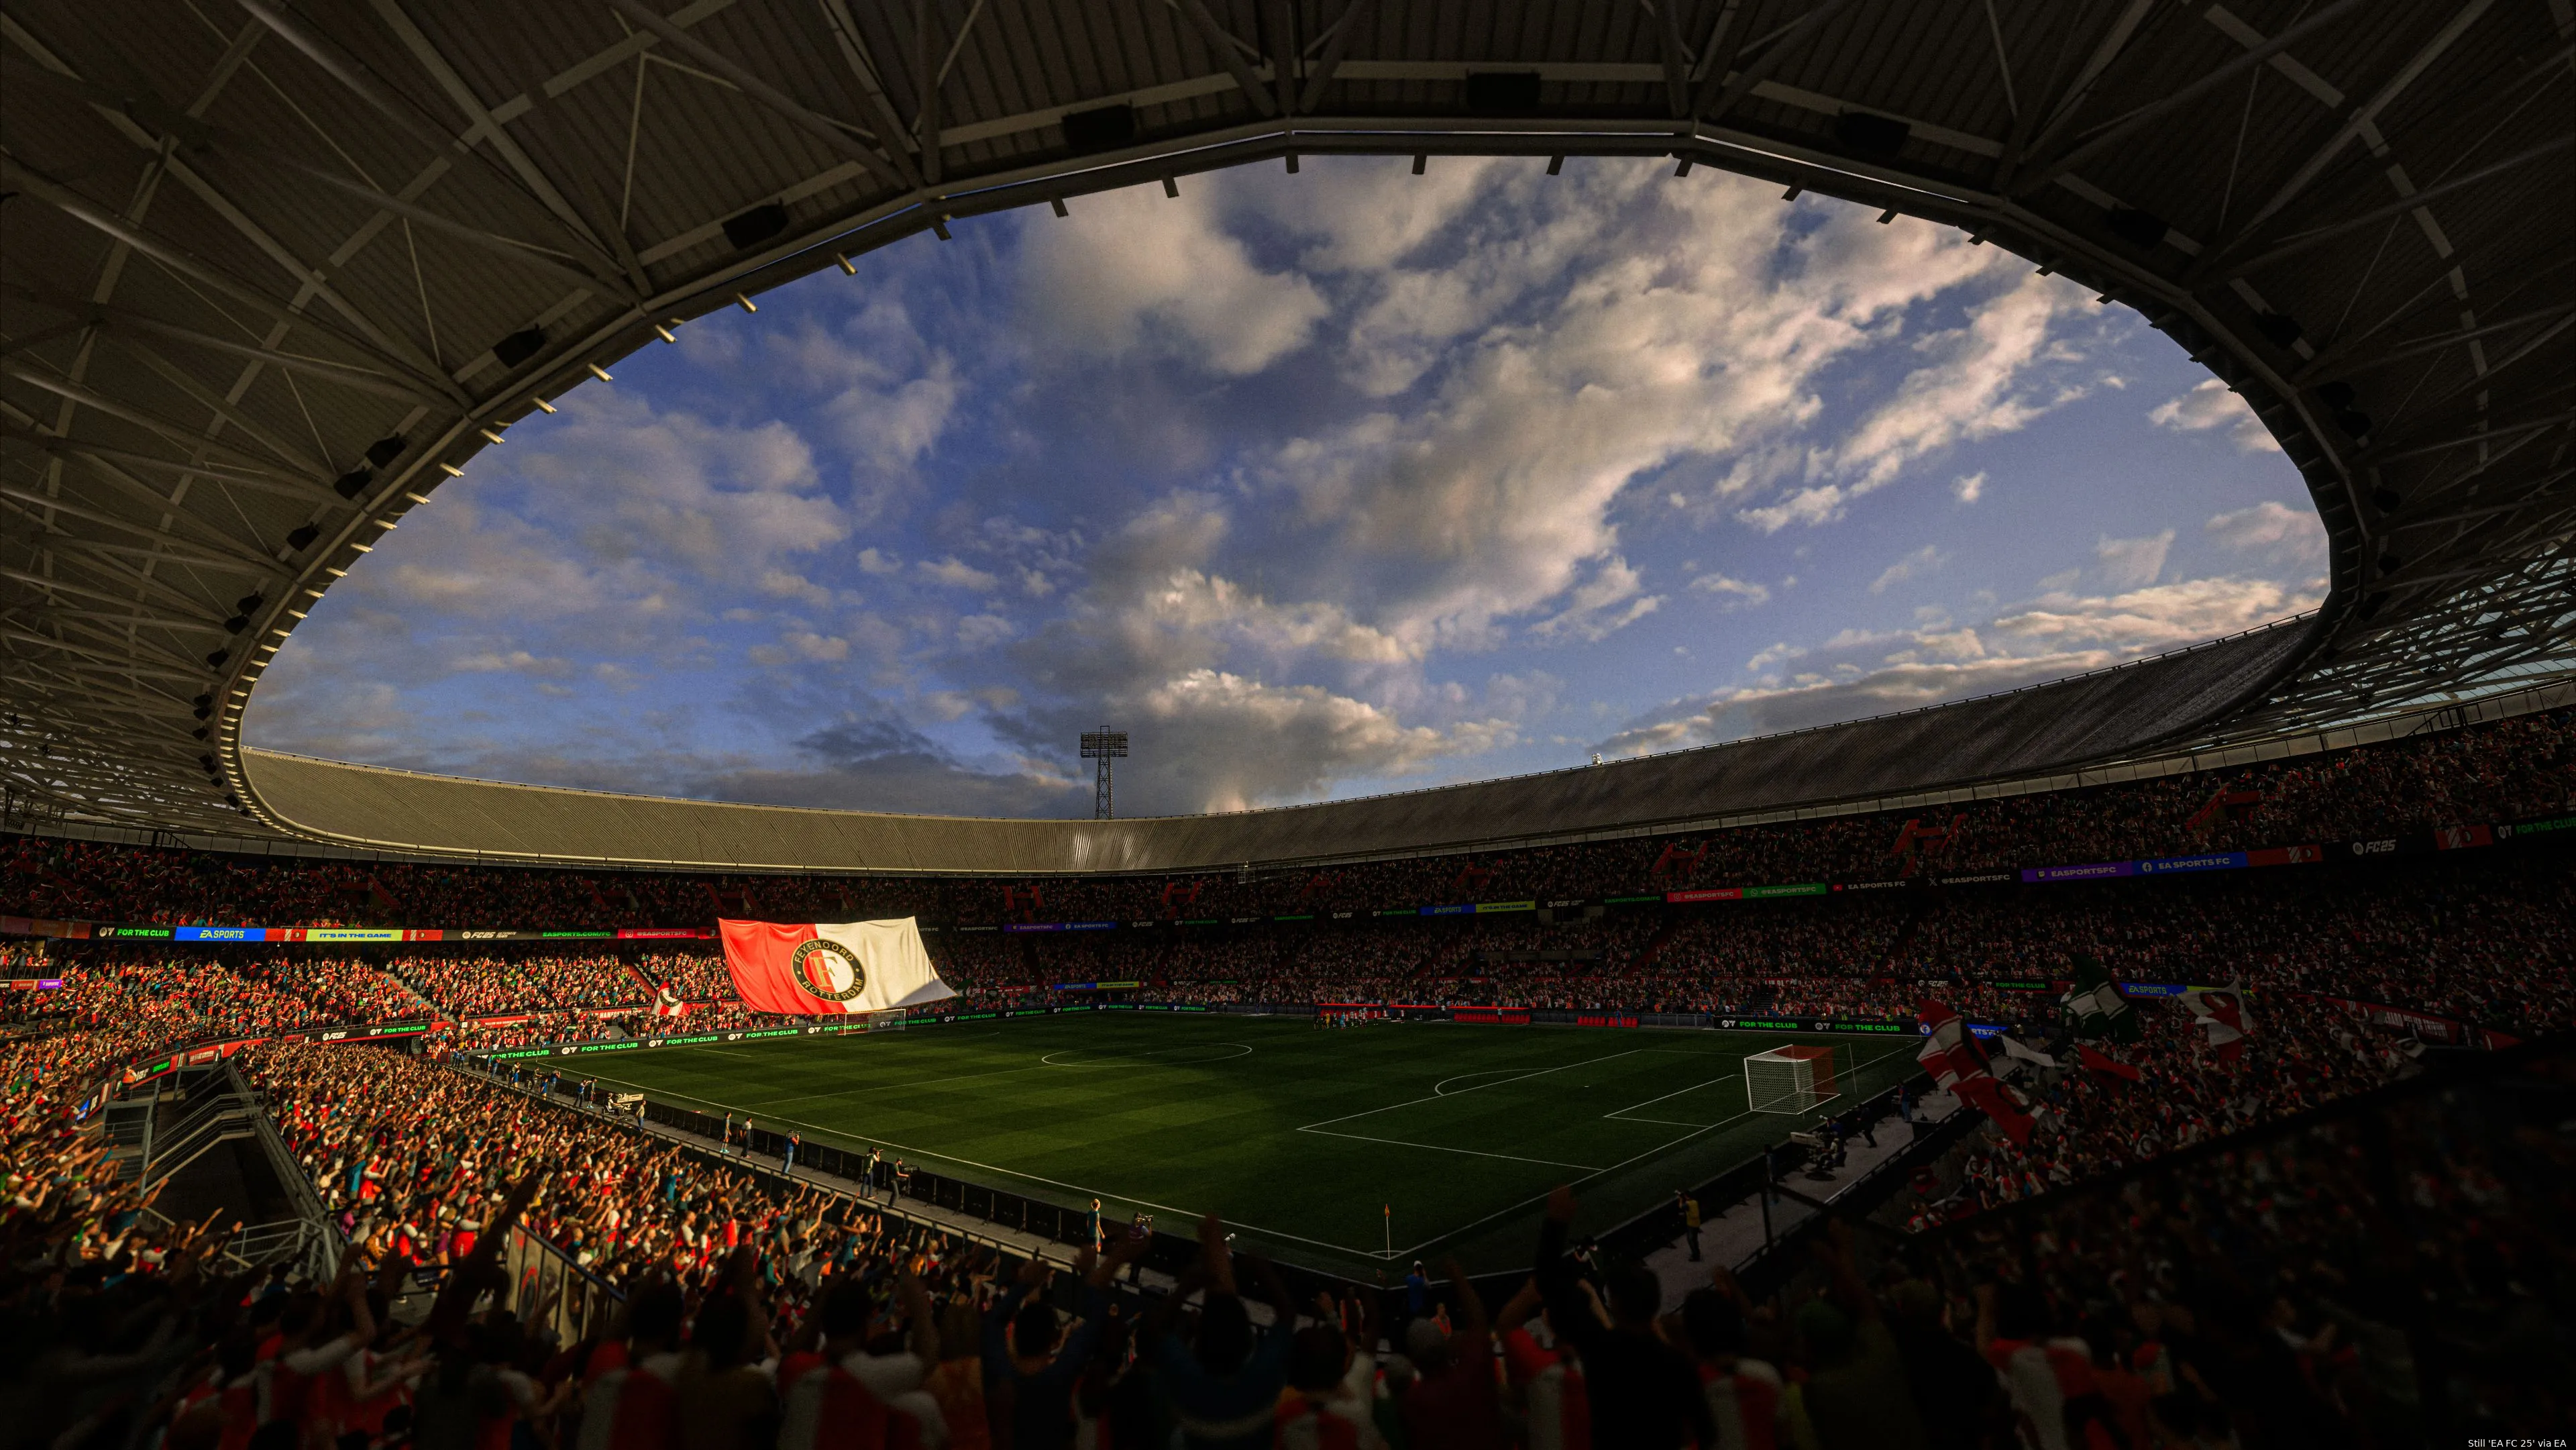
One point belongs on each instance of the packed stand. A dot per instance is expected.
(2504, 770)
(2274, 1295)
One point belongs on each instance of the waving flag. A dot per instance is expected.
(2224, 1016)
(1950, 1053)
(2095, 1006)
(831, 967)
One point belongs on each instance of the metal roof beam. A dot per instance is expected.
(1219, 40)
(1320, 73)
(785, 106)
(2120, 127)
(2363, 121)
(2342, 359)
(229, 475)
(1714, 102)
(80, 209)
(2214, 262)
(193, 616)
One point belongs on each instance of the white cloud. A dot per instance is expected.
(2212, 404)
(2276, 531)
(1601, 605)
(1132, 269)
(670, 486)
(1312, 739)
(1733, 593)
(1922, 561)
(875, 561)
(1582, 352)
(2130, 563)
(957, 575)
(1969, 487)
(1860, 673)
(517, 661)
(981, 631)
(788, 584)
(802, 646)
(1973, 385)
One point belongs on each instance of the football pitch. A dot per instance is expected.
(1323, 1147)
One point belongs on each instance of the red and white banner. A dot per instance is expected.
(2224, 1016)
(830, 968)
(1951, 1055)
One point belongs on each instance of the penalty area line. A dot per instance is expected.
(1443, 1148)
(1462, 1092)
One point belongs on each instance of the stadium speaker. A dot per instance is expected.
(753, 227)
(2138, 228)
(2388, 499)
(215, 658)
(1502, 92)
(2336, 394)
(301, 537)
(208, 762)
(386, 450)
(205, 705)
(200, 733)
(237, 624)
(2354, 423)
(1103, 128)
(519, 346)
(1871, 135)
(248, 604)
(354, 482)
(2279, 328)
(2390, 563)
(2370, 607)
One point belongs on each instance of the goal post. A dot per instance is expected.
(1790, 1079)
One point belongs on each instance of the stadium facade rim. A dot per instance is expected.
(2354, 215)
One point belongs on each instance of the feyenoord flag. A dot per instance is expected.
(2224, 1016)
(831, 967)
(1950, 1053)
(2096, 1008)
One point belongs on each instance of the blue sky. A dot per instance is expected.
(1318, 485)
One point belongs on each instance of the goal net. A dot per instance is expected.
(1789, 1079)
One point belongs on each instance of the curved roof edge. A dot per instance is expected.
(2041, 728)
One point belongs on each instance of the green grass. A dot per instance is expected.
(1297, 1136)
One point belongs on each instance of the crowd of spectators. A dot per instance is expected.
(2344, 1283)
(2477, 938)
(483, 984)
(2504, 770)
(2327, 1287)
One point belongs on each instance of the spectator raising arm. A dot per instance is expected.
(1644, 1392)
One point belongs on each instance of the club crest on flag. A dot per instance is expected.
(828, 970)
(832, 967)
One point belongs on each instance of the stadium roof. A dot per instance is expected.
(269, 274)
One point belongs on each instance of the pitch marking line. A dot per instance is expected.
(1620, 1113)
(1460, 1231)
(1145, 1058)
(1440, 1089)
(1462, 1092)
(1365, 1253)
(936, 1156)
(997, 1072)
(1444, 1148)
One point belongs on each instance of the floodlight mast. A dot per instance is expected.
(1103, 745)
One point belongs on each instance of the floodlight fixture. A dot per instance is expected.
(1103, 745)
